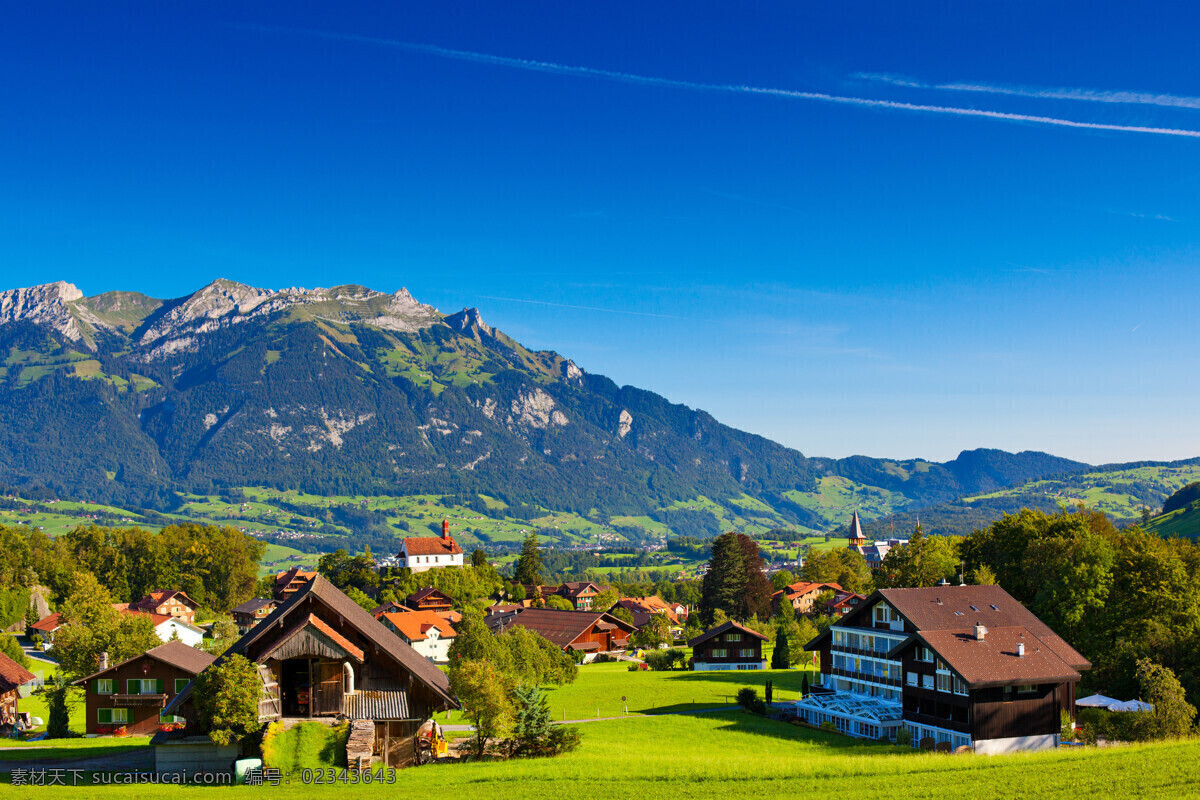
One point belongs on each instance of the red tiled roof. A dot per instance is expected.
(414, 625)
(174, 653)
(295, 573)
(159, 596)
(48, 624)
(12, 674)
(804, 587)
(431, 546)
(994, 660)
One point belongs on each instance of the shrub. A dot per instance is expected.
(903, 737)
(227, 696)
(829, 726)
(747, 698)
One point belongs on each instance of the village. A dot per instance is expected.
(950, 668)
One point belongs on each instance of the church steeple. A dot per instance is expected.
(857, 538)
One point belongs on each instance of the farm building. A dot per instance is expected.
(320, 655)
(289, 582)
(424, 631)
(728, 646)
(587, 631)
(956, 665)
(132, 694)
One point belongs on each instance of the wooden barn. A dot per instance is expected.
(320, 655)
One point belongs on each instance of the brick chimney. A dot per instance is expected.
(446, 529)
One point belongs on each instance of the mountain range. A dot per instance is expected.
(125, 398)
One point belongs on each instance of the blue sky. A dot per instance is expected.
(865, 228)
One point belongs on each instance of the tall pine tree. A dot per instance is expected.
(725, 582)
(529, 565)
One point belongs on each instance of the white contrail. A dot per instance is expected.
(1041, 93)
(626, 77)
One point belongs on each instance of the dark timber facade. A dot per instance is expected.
(955, 665)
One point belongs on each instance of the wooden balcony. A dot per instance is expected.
(139, 699)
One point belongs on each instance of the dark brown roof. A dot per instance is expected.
(12, 674)
(955, 608)
(558, 627)
(295, 573)
(250, 606)
(354, 614)
(428, 591)
(174, 653)
(724, 626)
(994, 661)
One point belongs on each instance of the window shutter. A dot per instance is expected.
(104, 716)
(158, 686)
(96, 686)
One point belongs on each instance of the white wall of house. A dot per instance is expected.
(433, 647)
(187, 634)
(703, 666)
(1015, 744)
(422, 563)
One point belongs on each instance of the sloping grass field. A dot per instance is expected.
(733, 754)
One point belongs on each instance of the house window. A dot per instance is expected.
(180, 683)
(923, 653)
(143, 686)
(746, 653)
(104, 686)
(1027, 688)
(719, 652)
(927, 681)
(943, 681)
(733, 637)
(912, 679)
(112, 716)
(960, 686)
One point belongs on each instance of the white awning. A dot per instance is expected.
(1097, 701)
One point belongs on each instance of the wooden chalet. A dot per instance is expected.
(252, 612)
(132, 694)
(959, 666)
(429, 599)
(289, 582)
(843, 603)
(319, 654)
(390, 607)
(12, 677)
(728, 646)
(801, 595)
(170, 603)
(581, 594)
(587, 631)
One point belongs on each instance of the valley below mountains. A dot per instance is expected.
(140, 403)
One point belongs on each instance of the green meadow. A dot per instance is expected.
(732, 753)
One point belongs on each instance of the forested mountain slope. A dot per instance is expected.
(127, 399)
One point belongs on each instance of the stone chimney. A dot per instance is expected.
(104, 660)
(980, 632)
(1020, 649)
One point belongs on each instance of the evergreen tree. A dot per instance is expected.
(781, 655)
(756, 596)
(528, 568)
(725, 582)
(59, 724)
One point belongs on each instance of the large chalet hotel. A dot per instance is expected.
(958, 666)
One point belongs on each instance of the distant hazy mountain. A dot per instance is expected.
(126, 398)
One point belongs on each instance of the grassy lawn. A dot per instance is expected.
(36, 704)
(733, 754)
(69, 748)
(308, 745)
(599, 689)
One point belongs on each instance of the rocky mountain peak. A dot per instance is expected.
(470, 322)
(48, 304)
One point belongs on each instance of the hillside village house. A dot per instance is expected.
(424, 631)
(166, 627)
(171, 603)
(843, 603)
(801, 595)
(429, 599)
(12, 677)
(642, 609)
(320, 655)
(590, 632)
(726, 647)
(288, 582)
(420, 553)
(252, 612)
(132, 694)
(959, 666)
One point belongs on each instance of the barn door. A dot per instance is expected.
(329, 688)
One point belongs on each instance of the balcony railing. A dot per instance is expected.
(139, 699)
(863, 676)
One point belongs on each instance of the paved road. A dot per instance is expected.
(132, 759)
